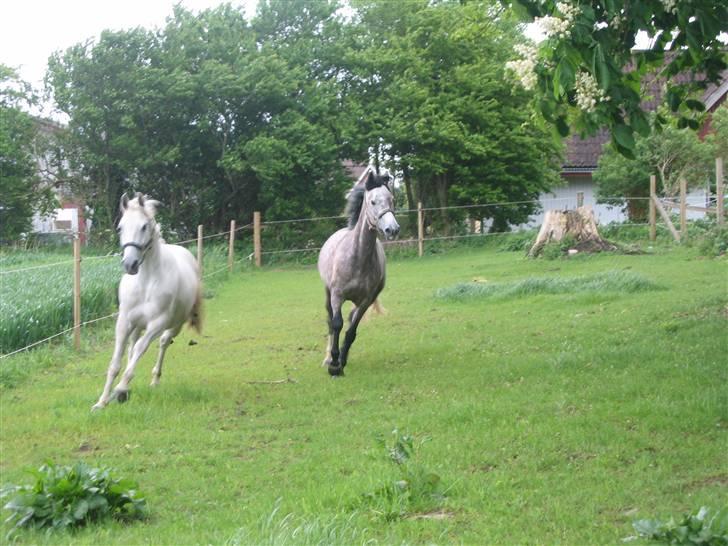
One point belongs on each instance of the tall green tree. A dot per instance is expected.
(430, 77)
(212, 115)
(22, 190)
(671, 154)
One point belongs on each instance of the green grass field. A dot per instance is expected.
(555, 418)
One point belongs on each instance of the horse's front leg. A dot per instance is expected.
(336, 323)
(356, 315)
(121, 392)
(123, 330)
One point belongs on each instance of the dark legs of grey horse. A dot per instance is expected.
(356, 315)
(336, 323)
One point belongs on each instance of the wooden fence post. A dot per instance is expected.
(231, 246)
(719, 211)
(683, 209)
(77, 292)
(653, 212)
(199, 248)
(256, 238)
(579, 199)
(420, 230)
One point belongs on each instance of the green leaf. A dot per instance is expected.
(562, 126)
(80, 509)
(623, 136)
(696, 105)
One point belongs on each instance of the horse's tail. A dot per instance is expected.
(196, 313)
(375, 307)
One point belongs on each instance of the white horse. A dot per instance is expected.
(352, 264)
(159, 293)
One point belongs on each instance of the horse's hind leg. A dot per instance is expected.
(329, 317)
(123, 330)
(164, 342)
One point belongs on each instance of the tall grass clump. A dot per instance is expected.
(609, 281)
(37, 303)
(277, 529)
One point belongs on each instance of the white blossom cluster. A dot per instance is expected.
(670, 5)
(588, 93)
(525, 68)
(559, 26)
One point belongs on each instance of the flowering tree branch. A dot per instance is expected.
(586, 75)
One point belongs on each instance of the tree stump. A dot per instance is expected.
(578, 224)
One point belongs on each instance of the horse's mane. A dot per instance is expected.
(355, 198)
(354, 202)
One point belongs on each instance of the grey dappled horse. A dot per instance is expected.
(352, 263)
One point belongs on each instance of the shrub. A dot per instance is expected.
(72, 496)
(705, 527)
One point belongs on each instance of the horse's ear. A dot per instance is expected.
(150, 206)
(371, 181)
(140, 198)
(124, 202)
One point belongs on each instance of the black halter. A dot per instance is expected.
(142, 248)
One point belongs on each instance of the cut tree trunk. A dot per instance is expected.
(578, 224)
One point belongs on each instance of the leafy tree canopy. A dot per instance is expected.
(22, 191)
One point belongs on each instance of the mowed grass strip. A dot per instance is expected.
(550, 418)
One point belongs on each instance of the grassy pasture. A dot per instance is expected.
(550, 418)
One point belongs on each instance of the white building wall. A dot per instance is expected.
(565, 197)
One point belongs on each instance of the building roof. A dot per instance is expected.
(583, 153)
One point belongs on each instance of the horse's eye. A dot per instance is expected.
(374, 202)
(144, 228)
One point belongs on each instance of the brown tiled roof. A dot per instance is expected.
(582, 154)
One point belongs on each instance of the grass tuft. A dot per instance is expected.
(609, 281)
(282, 530)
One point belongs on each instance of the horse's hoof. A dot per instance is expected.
(122, 396)
(97, 407)
(335, 371)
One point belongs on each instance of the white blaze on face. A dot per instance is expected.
(381, 205)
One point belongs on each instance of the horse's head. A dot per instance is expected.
(137, 230)
(379, 204)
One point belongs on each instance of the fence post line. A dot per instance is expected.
(579, 199)
(256, 238)
(77, 292)
(420, 230)
(231, 246)
(719, 211)
(199, 248)
(653, 212)
(683, 209)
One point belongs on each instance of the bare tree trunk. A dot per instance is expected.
(579, 224)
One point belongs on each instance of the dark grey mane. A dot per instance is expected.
(355, 199)
(354, 204)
